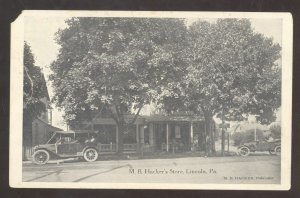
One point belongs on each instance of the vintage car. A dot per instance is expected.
(67, 144)
(274, 147)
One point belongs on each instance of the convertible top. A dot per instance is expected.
(76, 131)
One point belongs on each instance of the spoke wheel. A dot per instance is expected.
(244, 151)
(90, 155)
(277, 150)
(40, 157)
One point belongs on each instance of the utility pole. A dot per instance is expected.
(255, 131)
(255, 128)
(223, 133)
(228, 138)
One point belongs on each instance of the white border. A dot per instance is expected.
(16, 101)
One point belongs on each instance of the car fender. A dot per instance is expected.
(89, 146)
(51, 153)
(244, 146)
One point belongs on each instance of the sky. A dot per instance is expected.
(39, 33)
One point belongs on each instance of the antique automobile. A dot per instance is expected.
(67, 144)
(274, 147)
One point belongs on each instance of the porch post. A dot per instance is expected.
(137, 137)
(117, 138)
(137, 133)
(167, 138)
(151, 138)
(192, 137)
(142, 138)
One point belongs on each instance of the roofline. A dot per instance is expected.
(47, 123)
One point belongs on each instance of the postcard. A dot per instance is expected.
(151, 100)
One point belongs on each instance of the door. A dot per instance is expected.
(69, 149)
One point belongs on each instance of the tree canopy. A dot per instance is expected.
(115, 65)
(34, 89)
(34, 86)
(232, 72)
(231, 68)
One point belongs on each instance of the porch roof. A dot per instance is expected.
(174, 118)
(142, 119)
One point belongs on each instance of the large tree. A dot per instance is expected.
(34, 89)
(233, 71)
(114, 66)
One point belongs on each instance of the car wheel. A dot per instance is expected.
(277, 150)
(244, 151)
(40, 157)
(90, 155)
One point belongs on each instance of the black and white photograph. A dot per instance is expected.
(151, 100)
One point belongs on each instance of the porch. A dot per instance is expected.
(154, 133)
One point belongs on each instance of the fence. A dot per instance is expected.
(130, 147)
(107, 148)
(112, 148)
(147, 148)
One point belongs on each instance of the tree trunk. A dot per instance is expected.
(209, 137)
(121, 128)
(223, 141)
(212, 135)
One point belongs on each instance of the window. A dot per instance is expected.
(177, 132)
(146, 134)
